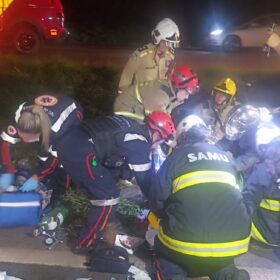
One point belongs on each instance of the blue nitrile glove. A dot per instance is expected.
(6, 180)
(30, 185)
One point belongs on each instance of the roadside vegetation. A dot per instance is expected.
(92, 84)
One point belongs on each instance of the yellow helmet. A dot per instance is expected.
(227, 86)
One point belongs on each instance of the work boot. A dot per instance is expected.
(231, 273)
(81, 251)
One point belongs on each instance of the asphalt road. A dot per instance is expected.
(25, 257)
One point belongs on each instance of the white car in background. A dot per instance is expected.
(251, 34)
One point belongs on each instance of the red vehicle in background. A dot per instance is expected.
(28, 23)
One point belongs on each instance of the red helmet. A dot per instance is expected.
(183, 77)
(161, 122)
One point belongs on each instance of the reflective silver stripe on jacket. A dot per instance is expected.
(107, 202)
(18, 112)
(133, 136)
(43, 158)
(140, 167)
(52, 152)
(8, 138)
(63, 116)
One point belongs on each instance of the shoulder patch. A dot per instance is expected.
(46, 100)
(144, 48)
(11, 130)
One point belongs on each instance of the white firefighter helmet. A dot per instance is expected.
(187, 123)
(166, 30)
(266, 133)
(192, 129)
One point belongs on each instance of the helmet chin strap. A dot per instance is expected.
(157, 143)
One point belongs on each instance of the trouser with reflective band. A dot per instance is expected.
(167, 270)
(257, 235)
(180, 264)
(78, 157)
(97, 220)
(204, 250)
(265, 227)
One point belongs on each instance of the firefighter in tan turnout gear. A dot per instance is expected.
(155, 60)
(215, 110)
(159, 95)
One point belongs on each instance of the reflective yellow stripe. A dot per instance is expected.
(257, 235)
(140, 100)
(138, 95)
(130, 115)
(270, 204)
(217, 250)
(201, 177)
(145, 53)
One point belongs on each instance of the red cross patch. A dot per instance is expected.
(46, 100)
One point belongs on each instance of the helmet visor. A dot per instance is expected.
(173, 40)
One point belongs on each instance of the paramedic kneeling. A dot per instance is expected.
(204, 223)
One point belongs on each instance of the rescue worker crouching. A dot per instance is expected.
(261, 190)
(214, 110)
(44, 119)
(204, 223)
(116, 142)
(143, 98)
(154, 61)
(88, 153)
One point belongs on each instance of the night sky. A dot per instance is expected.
(131, 21)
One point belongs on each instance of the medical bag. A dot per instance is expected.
(20, 209)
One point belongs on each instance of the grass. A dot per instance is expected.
(21, 79)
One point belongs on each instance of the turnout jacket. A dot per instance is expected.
(262, 196)
(64, 113)
(146, 65)
(213, 118)
(200, 205)
(143, 98)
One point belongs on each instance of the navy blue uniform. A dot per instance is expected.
(204, 222)
(262, 196)
(64, 113)
(89, 153)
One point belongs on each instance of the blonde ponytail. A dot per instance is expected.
(36, 121)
